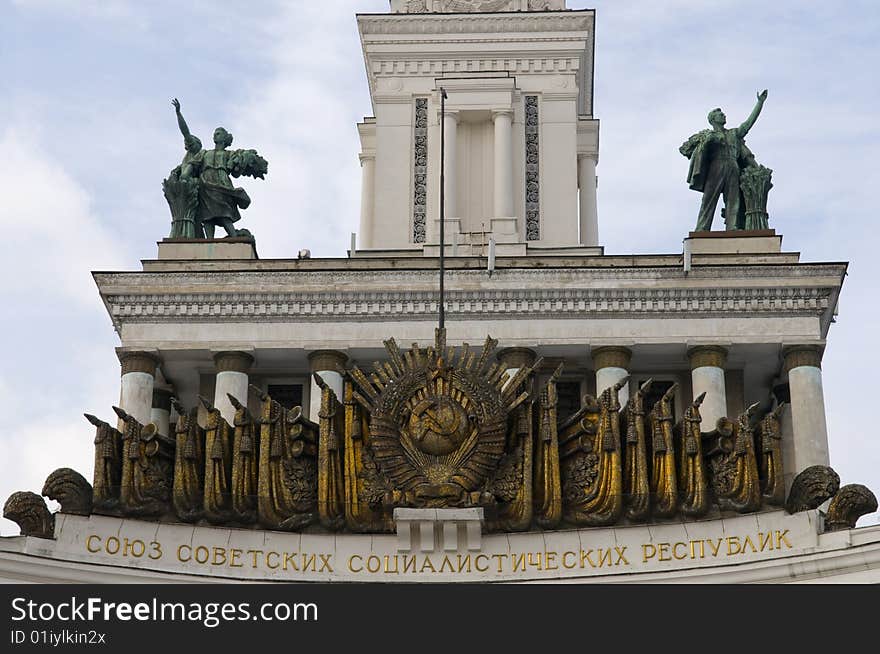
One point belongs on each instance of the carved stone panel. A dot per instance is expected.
(420, 171)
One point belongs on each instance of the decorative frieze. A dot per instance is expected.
(426, 25)
(533, 171)
(416, 305)
(420, 171)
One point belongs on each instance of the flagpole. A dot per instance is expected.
(443, 97)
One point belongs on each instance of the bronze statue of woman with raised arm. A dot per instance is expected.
(200, 191)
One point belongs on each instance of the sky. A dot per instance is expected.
(87, 133)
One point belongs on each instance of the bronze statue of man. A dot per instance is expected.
(718, 156)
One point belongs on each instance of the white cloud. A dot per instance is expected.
(53, 363)
(51, 237)
(130, 14)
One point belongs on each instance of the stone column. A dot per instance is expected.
(451, 167)
(707, 376)
(515, 358)
(324, 363)
(138, 378)
(803, 363)
(612, 365)
(503, 120)
(232, 378)
(161, 413)
(368, 189)
(589, 213)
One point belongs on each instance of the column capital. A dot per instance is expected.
(162, 398)
(138, 362)
(517, 357)
(611, 357)
(707, 356)
(364, 157)
(592, 156)
(797, 356)
(450, 113)
(323, 360)
(233, 362)
(505, 111)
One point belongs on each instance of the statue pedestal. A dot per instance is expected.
(224, 249)
(454, 530)
(763, 241)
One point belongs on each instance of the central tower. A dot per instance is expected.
(521, 139)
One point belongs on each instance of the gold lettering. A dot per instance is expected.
(748, 541)
(675, 551)
(236, 555)
(715, 546)
(694, 544)
(550, 561)
(180, 553)
(290, 560)
(388, 569)
(766, 540)
(585, 558)
(218, 551)
(518, 560)
(269, 556)
(255, 554)
(202, 554)
(477, 563)
(310, 562)
(378, 564)
(89, 544)
(645, 550)
(409, 564)
(499, 559)
(731, 540)
(621, 555)
(461, 563)
(157, 551)
(663, 549)
(535, 560)
(351, 563)
(428, 564)
(604, 558)
(116, 545)
(782, 537)
(565, 560)
(325, 563)
(446, 562)
(134, 545)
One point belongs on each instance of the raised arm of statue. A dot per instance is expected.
(184, 128)
(750, 121)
